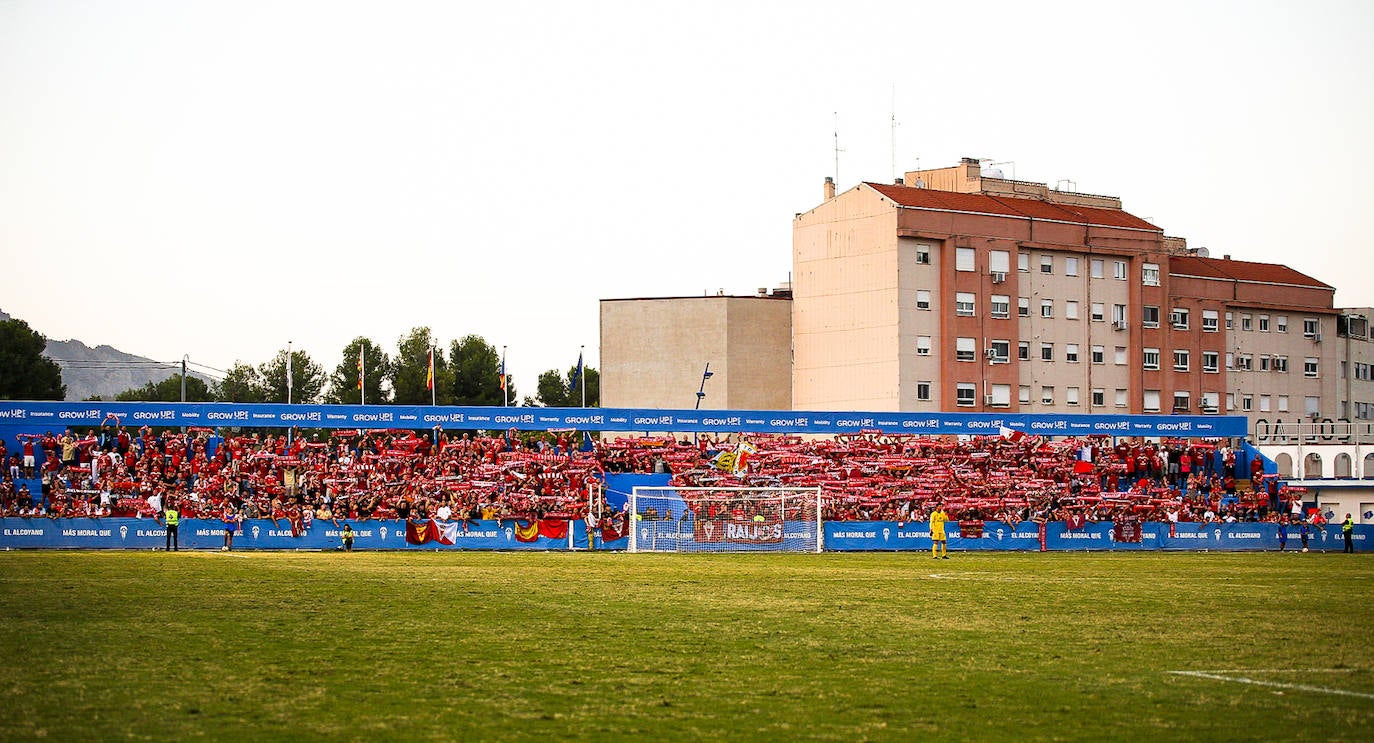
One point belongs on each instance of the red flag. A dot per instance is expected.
(553, 528)
(420, 533)
(429, 378)
(1081, 467)
(1075, 521)
(613, 529)
(360, 367)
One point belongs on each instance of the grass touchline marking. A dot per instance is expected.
(1276, 684)
(1277, 670)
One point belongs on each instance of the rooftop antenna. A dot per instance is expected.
(837, 149)
(894, 132)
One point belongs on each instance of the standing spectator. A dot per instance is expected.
(1305, 531)
(171, 518)
(1347, 530)
(1283, 534)
(231, 526)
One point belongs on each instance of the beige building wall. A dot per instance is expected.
(845, 284)
(653, 352)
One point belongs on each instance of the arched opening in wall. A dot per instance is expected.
(1312, 466)
(1343, 465)
(1369, 466)
(1285, 465)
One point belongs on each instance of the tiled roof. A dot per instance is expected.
(925, 198)
(1216, 268)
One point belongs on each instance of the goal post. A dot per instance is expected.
(742, 519)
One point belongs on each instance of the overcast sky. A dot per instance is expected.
(219, 178)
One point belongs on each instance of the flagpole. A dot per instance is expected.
(288, 372)
(362, 375)
(505, 389)
(582, 372)
(433, 385)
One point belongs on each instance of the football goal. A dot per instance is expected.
(669, 519)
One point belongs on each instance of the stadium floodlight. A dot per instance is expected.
(742, 519)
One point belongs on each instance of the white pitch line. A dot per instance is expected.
(1275, 684)
(1277, 670)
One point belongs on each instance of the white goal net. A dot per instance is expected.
(668, 519)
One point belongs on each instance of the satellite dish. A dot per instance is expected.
(1203, 253)
(995, 173)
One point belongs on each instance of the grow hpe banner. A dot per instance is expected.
(56, 415)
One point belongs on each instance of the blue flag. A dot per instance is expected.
(577, 374)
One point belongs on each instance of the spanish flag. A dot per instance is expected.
(527, 531)
(429, 378)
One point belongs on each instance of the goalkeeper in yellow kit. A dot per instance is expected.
(937, 533)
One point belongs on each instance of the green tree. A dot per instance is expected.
(410, 371)
(565, 390)
(307, 378)
(24, 373)
(343, 383)
(169, 390)
(477, 374)
(242, 383)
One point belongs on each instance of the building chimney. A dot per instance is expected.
(899, 181)
(829, 188)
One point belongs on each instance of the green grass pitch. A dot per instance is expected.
(537, 646)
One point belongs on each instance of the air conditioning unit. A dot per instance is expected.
(1121, 325)
(1317, 337)
(987, 399)
(999, 277)
(991, 354)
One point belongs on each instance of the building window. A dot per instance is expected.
(1001, 352)
(923, 255)
(1182, 402)
(1071, 396)
(1001, 395)
(1023, 307)
(1047, 395)
(1281, 364)
(1230, 361)
(1119, 270)
(1023, 394)
(1245, 362)
(1047, 308)
(1309, 367)
(1023, 262)
(1247, 403)
(1264, 362)
(1098, 312)
(1119, 316)
(963, 259)
(1099, 398)
(922, 299)
(1264, 404)
(1071, 353)
(1151, 358)
(1209, 361)
(1210, 401)
(922, 345)
(1311, 406)
(1070, 266)
(1281, 323)
(1230, 325)
(1149, 274)
(1309, 327)
(1099, 355)
(965, 349)
(1046, 264)
(1149, 316)
(1120, 398)
(965, 393)
(1283, 403)
(999, 261)
(964, 304)
(1095, 268)
(1071, 309)
(1247, 323)
(1047, 352)
(1023, 350)
(1119, 356)
(1151, 400)
(1264, 323)
(1209, 321)
(1180, 360)
(1179, 319)
(1001, 306)
(923, 390)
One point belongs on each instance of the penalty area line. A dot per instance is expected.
(1274, 684)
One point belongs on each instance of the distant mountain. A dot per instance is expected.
(103, 370)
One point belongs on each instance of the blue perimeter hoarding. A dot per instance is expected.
(44, 416)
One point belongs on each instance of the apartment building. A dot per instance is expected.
(962, 292)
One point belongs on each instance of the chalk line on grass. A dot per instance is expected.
(1274, 684)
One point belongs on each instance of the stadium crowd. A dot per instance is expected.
(402, 474)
